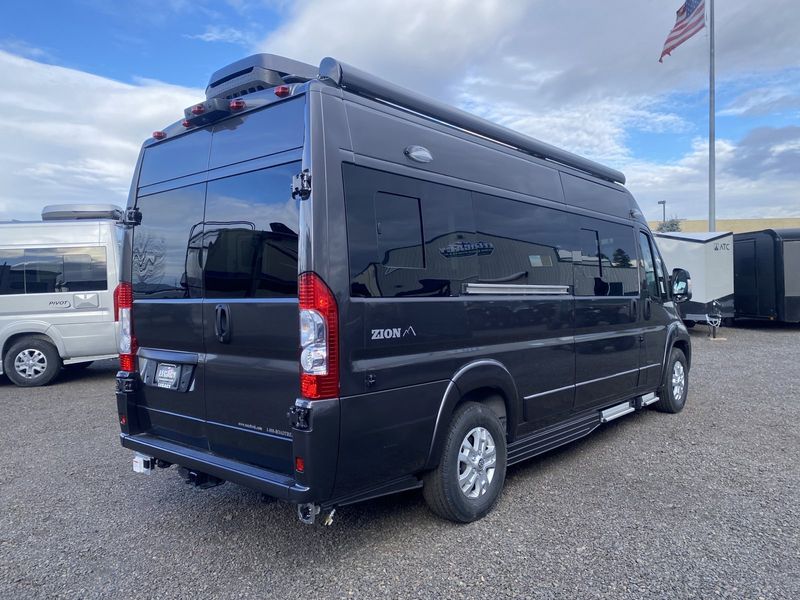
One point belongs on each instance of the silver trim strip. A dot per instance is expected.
(566, 387)
(514, 289)
(636, 370)
(561, 389)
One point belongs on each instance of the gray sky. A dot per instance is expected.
(583, 75)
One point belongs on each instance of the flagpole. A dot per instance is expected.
(712, 209)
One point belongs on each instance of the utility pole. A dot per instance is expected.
(712, 209)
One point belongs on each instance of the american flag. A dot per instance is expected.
(691, 19)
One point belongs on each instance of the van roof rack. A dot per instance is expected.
(71, 212)
(255, 73)
(365, 84)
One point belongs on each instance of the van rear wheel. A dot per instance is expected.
(32, 362)
(467, 483)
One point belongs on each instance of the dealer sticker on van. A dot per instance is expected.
(166, 375)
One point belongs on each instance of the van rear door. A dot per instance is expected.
(215, 285)
(167, 314)
(250, 309)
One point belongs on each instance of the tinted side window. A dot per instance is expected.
(399, 230)
(12, 272)
(649, 281)
(172, 222)
(431, 256)
(52, 270)
(607, 265)
(595, 196)
(522, 243)
(249, 240)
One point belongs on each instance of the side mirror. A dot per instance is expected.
(681, 285)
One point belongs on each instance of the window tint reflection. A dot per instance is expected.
(248, 245)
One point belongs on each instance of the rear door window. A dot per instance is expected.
(274, 129)
(249, 241)
(164, 262)
(177, 157)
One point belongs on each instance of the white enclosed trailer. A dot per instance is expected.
(708, 256)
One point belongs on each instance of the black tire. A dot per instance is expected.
(690, 324)
(668, 402)
(441, 487)
(78, 366)
(43, 370)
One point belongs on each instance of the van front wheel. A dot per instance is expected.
(675, 385)
(32, 362)
(467, 483)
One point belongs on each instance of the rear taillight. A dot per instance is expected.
(319, 339)
(123, 305)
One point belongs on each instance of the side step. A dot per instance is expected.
(573, 429)
(625, 408)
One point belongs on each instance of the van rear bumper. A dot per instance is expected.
(269, 482)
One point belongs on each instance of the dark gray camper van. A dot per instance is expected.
(337, 289)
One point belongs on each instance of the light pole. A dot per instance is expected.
(663, 204)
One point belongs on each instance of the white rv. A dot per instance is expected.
(57, 281)
(709, 256)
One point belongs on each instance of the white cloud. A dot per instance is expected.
(230, 35)
(69, 136)
(582, 75)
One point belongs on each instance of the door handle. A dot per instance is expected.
(635, 309)
(647, 309)
(222, 323)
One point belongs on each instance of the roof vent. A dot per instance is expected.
(255, 73)
(71, 212)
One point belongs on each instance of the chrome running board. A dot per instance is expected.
(648, 399)
(615, 412)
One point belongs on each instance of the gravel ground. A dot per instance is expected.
(701, 504)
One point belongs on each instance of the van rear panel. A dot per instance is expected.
(214, 277)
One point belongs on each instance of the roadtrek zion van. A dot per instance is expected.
(57, 280)
(336, 288)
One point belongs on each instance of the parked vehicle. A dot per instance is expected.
(711, 256)
(56, 282)
(767, 274)
(468, 297)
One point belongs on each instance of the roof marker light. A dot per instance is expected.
(198, 109)
(237, 104)
(282, 91)
(186, 123)
(159, 135)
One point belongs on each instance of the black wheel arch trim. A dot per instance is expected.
(475, 375)
(675, 334)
